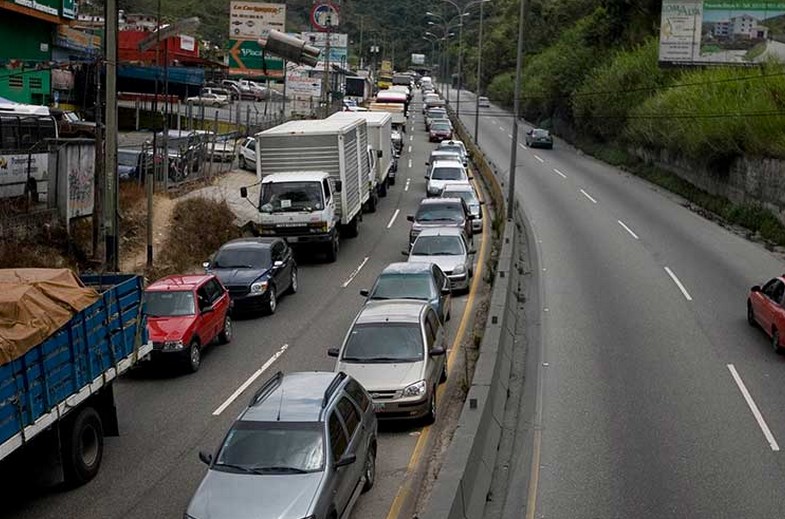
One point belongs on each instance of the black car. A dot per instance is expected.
(539, 138)
(256, 271)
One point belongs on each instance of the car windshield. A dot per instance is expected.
(440, 126)
(169, 303)
(438, 246)
(454, 148)
(403, 286)
(250, 258)
(127, 158)
(71, 117)
(272, 448)
(455, 173)
(445, 155)
(540, 133)
(384, 342)
(434, 213)
(468, 196)
(291, 196)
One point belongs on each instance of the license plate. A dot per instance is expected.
(291, 239)
(378, 406)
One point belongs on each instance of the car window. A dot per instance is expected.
(384, 343)
(277, 252)
(771, 287)
(202, 296)
(255, 257)
(273, 446)
(430, 334)
(338, 439)
(450, 245)
(448, 212)
(326, 186)
(217, 289)
(355, 390)
(170, 303)
(402, 286)
(448, 173)
(351, 417)
(438, 275)
(433, 324)
(777, 292)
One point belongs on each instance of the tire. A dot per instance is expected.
(775, 341)
(372, 203)
(392, 181)
(751, 315)
(351, 231)
(272, 301)
(383, 188)
(242, 163)
(225, 337)
(293, 280)
(194, 359)
(332, 250)
(83, 447)
(430, 417)
(370, 470)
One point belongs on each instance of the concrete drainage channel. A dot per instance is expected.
(461, 490)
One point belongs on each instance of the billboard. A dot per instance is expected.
(418, 59)
(721, 32)
(247, 59)
(253, 20)
(339, 43)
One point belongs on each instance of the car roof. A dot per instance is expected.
(448, 164)
(452, 142)
(178, 282)
(441, 201)
(440, 231)
(240, 243)
(391, 311)
(290, 397)
(403, 267)
(457, 186)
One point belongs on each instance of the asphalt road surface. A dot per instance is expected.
(152, 469)
(657, 399)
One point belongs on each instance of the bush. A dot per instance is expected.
(719, 114)
(501, 88)
(199, 227)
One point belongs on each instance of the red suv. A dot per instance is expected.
(185, 314)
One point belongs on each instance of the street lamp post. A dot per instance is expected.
(477, 87)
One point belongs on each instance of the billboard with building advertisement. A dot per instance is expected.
(248, 22)
(721, 32)
(339, 46)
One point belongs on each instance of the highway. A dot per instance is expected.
(649, 395)
(152, 469)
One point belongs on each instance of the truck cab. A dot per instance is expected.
(300, 207)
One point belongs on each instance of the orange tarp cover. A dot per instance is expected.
(34, 304)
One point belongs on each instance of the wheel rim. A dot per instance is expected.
(88, 445)
(195, 356)
(228, 327)
(370, 470)
(273, 302)
(294, 280)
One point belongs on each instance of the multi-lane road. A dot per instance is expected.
(152, 469)
(648, 396)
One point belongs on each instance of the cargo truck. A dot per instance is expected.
(56, 373)
(315, 179)
(380, 141)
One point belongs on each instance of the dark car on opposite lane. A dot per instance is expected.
(539, 138)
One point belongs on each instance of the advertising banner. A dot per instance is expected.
(418, 59)
(79, 165)
(319, 39)
(253, 20)
(247, 59)
(726, 32)
(72, 39)
(14, 172)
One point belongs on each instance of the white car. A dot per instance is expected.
(443, 171)
(246, 155)
(449, 249)
(455, 145)
(483, 102)
(208, 99)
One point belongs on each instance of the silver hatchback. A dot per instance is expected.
(304, 447)
(396, 349)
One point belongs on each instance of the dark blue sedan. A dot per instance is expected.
(419, 281)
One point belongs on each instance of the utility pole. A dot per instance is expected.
(110, 163)
(98, 174)
(460, 63)
(477, 87)
(326, 80)
(516, 115)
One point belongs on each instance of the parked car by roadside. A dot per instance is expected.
(208, 99)
(396, 350)
(449, 248)
(71, 124)
(305, 447)
(186, 314)
(440, 212)
(415, 281)
(256, 271)
(246, 154)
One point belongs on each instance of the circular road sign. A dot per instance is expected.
(324, 15)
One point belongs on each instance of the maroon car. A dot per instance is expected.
(440, 131)
(185, 314)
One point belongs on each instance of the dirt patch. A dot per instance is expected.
(133, 254)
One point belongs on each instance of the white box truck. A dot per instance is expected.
(314, 182)
(380, 141)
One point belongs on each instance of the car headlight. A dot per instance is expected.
(460, 269)
(173, 345)
(416, 389)
(259, 287)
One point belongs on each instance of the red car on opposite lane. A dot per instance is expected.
(185, 314)
(765, 309)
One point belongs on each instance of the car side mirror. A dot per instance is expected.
(205, 457)
(405, 253)
(244, 192)
(446, 291)
(365, 292)
(471, 177)
(472, 251)
(426, 177)
(379, 153)
(482, 202)
(427, 163)
(346, 459)
(437, 352)
(332, 352)
(410, 217)
(338, 186)
(277, 264)
(756, 288)
(206, 265)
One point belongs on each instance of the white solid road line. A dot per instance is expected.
(250, 381)
(406, 187)
(394, 216)
(562, 175)
(522, 145)
(754, 408)
(539, 158)
(628, 229)
(411, 138)
(356, 271)
(501, 128)
(678, 284)
(509, 136)
(587, 195)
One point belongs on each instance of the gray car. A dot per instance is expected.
(305, 447)
(466, 191)
(396, 349)
(448, 248)
(440, 212)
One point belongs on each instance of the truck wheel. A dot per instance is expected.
(83, 447)
(332, 250)
(351, 229)
(371, 204)
(383, 188)
(392, 181)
